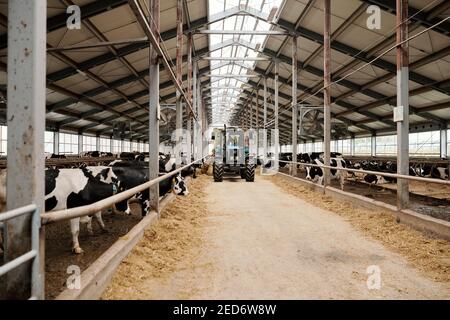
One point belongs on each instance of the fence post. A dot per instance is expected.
(27, 34)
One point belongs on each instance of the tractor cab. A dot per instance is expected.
(231, 154)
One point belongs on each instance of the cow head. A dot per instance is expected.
(179, 186)
(166, 163)
(308, 173)
(381, 180)
(442, 173)
(312, 173)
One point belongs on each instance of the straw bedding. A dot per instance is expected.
(170, 240)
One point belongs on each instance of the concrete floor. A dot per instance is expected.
(261, 243)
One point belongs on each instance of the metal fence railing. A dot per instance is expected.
(38, 220)
(67, 214)
(32, 255)
(379, 173)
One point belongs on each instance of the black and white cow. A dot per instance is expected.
(95, 154)
(310, 157)
(380, 166)
(166, 163)
(70, 188)
(49, 155)
(127, 155)
(125, 176)
(284, 156)
(374, 179)
(435, 172)
(315, 174)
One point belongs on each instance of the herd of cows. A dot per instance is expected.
(67, 188)
(337, 160)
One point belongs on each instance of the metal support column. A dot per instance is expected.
(56, 142)
(195, 107)
(352, 145)
(80, 144)
(402, 104)
(277, 134)
(27, 34)
(111, 144)
(205, 139)
(189, 94)
(373, 145)
(265, 122)
(199, 121)
(257, 123)
(97, 143)
(327, 91)
(153, 107)
(294, 105)
(444, 140)
(179, 105)
(251, 113)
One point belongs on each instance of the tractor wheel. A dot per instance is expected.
(242, 172)
(218, 172)
(250, 173)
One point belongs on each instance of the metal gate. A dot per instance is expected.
(33, 254)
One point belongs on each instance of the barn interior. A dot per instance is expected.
(365, 81)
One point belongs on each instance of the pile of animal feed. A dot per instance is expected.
(170, 240)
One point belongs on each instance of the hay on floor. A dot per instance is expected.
(166, 243)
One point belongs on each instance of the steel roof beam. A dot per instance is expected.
(287, 116)
(311, 69)
(236, 58)
(414, 14)
(142, 20)
(320, 95)
(114, 84)
(98, 45)
(417, 64)
(287, 25)
(414, 111)
(356, 53)
(87, 11)
(94, 77)
(244, 32)
(355, 88)
(80, 98)
(288, 98)
(167, 35)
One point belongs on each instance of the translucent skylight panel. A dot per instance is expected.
(241, 22)
(229, 23)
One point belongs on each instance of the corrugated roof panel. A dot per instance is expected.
(52, 116)
(443, 113)
(438, 70)
(359, 99)
(355, 116)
